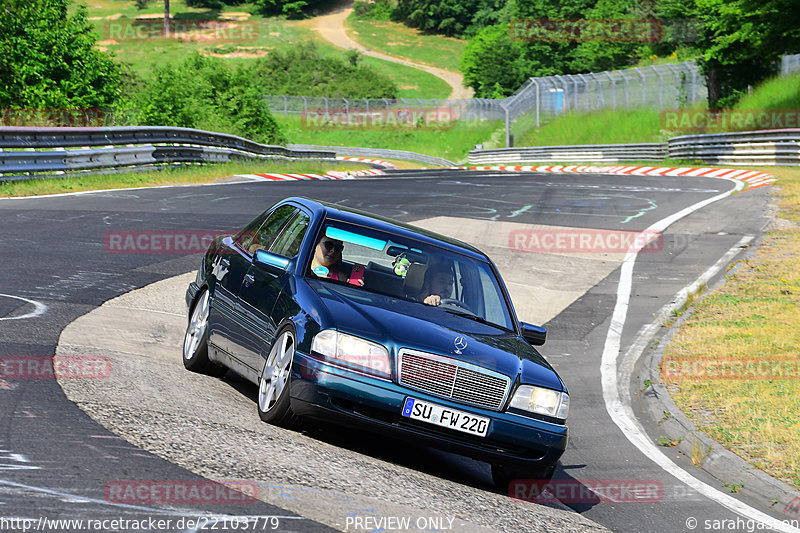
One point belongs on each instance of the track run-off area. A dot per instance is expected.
(97, 276)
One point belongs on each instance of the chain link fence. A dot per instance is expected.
(659, 86)
(536, 102)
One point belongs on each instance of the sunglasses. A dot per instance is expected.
(330, 245)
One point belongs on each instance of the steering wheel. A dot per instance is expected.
(452, 302)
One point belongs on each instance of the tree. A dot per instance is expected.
(452, 17)
(141, 4)
(493, 63)
(48, 58)
(740, 41)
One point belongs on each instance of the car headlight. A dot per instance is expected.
(542, 401)
(352, 352)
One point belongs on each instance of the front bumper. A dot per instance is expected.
(323, 391)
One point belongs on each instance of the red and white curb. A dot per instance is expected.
(287, 177)
(384, 164)
(752, 178)
(347, 174)
(331, 175)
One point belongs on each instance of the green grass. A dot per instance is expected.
(755, 418)
(411, 82)
(602, 127)
(189, 174)
(394, 39)
(777, 93)
(452, 144)
(641, 125)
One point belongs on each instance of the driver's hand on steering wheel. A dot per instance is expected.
(433, 299)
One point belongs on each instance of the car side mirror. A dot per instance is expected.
(269, 261)
(535, 335)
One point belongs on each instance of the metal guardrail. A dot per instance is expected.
(583, 153)
(26, 152)
(767, 147)
(385, 153)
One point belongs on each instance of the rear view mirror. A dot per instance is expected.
(535, 335)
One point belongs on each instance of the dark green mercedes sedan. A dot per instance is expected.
(341, 315)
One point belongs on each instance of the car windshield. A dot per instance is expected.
(384, 263)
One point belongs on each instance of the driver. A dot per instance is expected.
(437, 285)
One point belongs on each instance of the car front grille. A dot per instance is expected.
(450, 378)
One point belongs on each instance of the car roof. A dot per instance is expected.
(354, 216)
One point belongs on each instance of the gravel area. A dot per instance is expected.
(210, 427)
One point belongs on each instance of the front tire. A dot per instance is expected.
(195, 341)
(273, 386)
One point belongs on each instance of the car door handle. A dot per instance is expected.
(248, 280)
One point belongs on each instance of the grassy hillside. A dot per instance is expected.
(777, 93)
(643, 125)
(236, 35)
(602, 127)
(398, 40)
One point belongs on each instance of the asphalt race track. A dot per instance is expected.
(58, 462)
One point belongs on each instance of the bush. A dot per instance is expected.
(304, 71)
(205, 93)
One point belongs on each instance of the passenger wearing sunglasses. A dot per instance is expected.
(327, 262)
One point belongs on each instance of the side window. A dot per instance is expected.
(288, 242)
(263, 237)
(244, 237)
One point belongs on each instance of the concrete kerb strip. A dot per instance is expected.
(721, 463)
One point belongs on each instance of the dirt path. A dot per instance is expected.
(331, 28)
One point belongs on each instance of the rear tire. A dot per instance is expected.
(502, 476)
(195, 341)
(275, 381)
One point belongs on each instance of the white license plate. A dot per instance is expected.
(446, 417)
